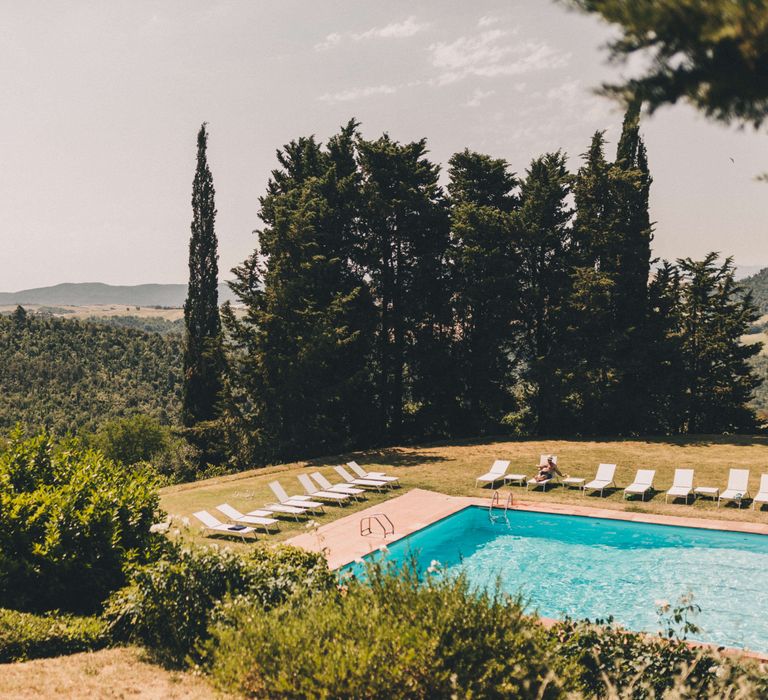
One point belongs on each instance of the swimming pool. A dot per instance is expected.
(594, 567)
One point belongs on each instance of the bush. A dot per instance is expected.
(395, 636)
(130, 440)
(167, 605)
(71, 524)
(606, 660)
(25, 636)
(392, 637)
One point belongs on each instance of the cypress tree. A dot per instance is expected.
(202, 338)
(485, 281)
(589, 342)
(608, 339)
(633, 235)
(541, 227)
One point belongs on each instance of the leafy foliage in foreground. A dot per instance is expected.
(389, 638)
(71, 524)
(712, 53)
(67, 375)
(396, 636)
(167, 605)
(25, 636)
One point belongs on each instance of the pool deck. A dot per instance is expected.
(342, 542)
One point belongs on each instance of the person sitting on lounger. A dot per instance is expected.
(548, 471)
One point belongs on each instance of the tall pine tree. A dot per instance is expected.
(717, 380)
(202, 338)
(541, 227)
(301, 357)
(404, 228)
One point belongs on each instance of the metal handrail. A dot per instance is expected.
(366, 524)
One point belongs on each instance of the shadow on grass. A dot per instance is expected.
(389, 456)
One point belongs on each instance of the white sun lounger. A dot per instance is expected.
(280, 509)
(314, 492)
(738, 487)
(377, 484)
(323, 483)
(244, 519)
(496, 473)
(212, 524)
(682, 485)
(762, 495)
(642, 484)
(603, 479)
(300, 501)
(379, 476)
(291, 505)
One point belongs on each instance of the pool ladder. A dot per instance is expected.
(496, 501)
(366, 524)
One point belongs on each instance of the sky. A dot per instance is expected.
(102, 102)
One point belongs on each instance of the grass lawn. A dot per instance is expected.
(451, 468)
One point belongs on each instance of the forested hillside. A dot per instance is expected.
(163, 326)
(69, 375)
(758, 285)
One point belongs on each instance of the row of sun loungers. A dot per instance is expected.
(642, 485)
(318, 492)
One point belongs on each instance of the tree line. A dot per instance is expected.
(382, 306)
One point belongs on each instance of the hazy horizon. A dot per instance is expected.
(103, 104)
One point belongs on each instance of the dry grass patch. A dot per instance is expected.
(111, 673)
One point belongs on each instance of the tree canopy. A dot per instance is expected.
(711, 53)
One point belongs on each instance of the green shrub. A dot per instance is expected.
(167, 605)
(130, 440)
(395, 636)
(25, 636)
(392, 637)
(610, 661)
(71, 524)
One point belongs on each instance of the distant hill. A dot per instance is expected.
(758, 285)
(89, 293)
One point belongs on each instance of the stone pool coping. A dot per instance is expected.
(342, 543)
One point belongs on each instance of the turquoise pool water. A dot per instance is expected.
(593, 568)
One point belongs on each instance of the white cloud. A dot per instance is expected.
(577, 100)
(491, 53)
(394, 30)
(357, 93)
(478, 96)
(331, 40)
(487, 21)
